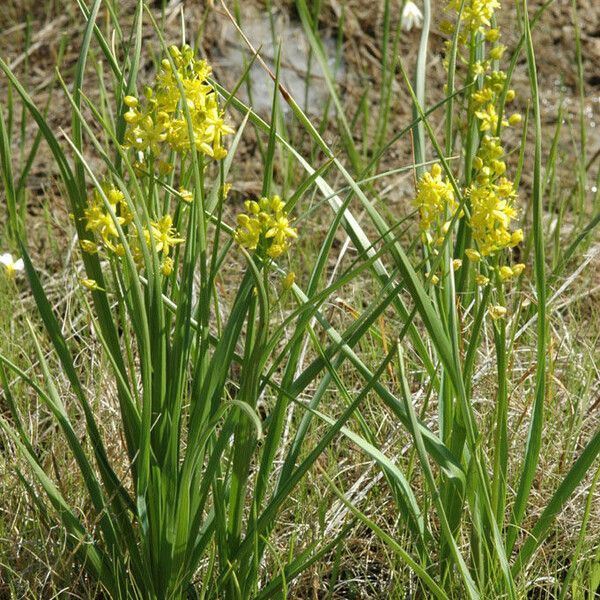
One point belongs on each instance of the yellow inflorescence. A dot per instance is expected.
(265, 226)
(157, 123)
(100, 222)
(491, 195)
(435, 200)
(477, 14)
(162, 121)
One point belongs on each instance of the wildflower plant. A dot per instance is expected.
(464, 286)
(199, 497)
(469, 210)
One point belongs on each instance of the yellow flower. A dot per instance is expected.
(518, 269)
(434, 196)
(226, 189)
(456, 264)
(481, 279)
(90, 284)
(99, 221)
(488, 118)
(186, 195)
(490, 149)
(497, 312)
(276, 250)
(133, 116)
(265, 223)
(215, 130)
(483, 96)
(505, 273)
(88, 246)
(499, 167)
(150, 134)
(130, 101)
(167, 266)
(164, 235)
(492, 35)
(497, 51)
(473, 255)
(516, 237)
(514, 119)
(280, 230)
(288, 280)
(247, 233)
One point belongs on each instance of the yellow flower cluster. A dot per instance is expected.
(492, 197)
(435, 200)
(164, 237)
(161, 119)
(99, 221)
(265, 226)
(476, 14)
(491, 194)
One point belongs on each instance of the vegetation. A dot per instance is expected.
(263, 395)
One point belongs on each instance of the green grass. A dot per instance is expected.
(213, 432)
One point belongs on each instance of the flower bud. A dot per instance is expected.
(514, 119)
(518, 269)
(497, 312)
(473, 255)
(88, 246)
(289, 280)
(505, 273)
(492, 35)
(497, 52)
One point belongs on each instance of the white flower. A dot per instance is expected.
(411, 16)
(11, 264)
